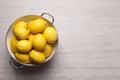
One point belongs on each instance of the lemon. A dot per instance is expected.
(31, 38)
(24, 46)
(24, 58)
(37, 25)
(21, 33)
(50, 34)
(21, 24)
(37, 57)
(48, 50)
(13, 44)
(28, 31)
(39, 42)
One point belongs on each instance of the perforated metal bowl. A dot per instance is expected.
(10, 34)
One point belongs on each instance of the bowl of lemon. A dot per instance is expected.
(31, 40)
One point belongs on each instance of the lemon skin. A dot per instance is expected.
(48, 50)
(20, 30)
(37, 26)
(24, 46)
(23, 58)
(39, 42)
(51, 35)
(13, 44)
(37, 57)
(31, 36)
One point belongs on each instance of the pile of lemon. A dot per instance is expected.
(33, 41)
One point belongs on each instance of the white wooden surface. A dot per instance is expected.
(89, 39)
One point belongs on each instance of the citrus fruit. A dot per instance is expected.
(33, 41)
(24, 58)
(48, 50)
(13, 44)
(39, 42)
(31, 38)
(37, 25)
(37, 57)
(21, 24)
(50, 34)
(24, 46)
(21, 33)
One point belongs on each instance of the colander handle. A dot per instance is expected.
(12, 63)
(48, 15)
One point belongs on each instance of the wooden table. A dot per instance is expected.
(89, 39)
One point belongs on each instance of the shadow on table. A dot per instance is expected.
(33, 73)
(34, 69)
(42, 72)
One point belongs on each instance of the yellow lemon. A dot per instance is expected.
(50, 34)
(24, 58)
(28, 31)
(37, 57)
(39, 42)
(20, 30)
(13, 44)
(21, 33)
(37, 25)
(48, 50)
(21, 24)
(24, 46)
(31, 38)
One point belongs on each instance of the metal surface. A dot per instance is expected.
(12, 63)
(48, 15)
